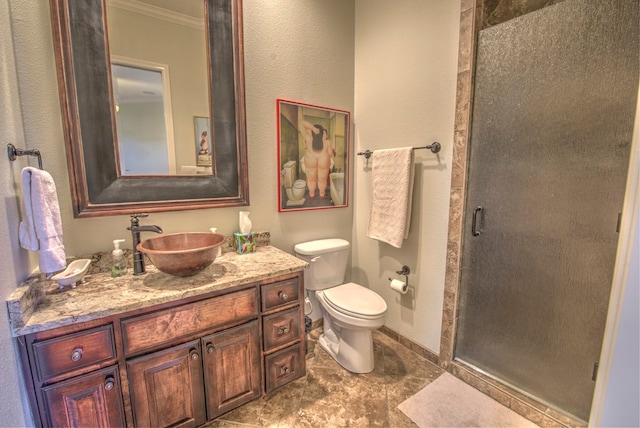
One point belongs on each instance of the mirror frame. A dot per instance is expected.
(88, 108)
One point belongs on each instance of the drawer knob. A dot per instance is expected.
(76, 354)
(283, 295)
(109, 383)
(286, 370)
(284, 330)
(194, 354)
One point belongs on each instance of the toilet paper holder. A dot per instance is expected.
(405, 271)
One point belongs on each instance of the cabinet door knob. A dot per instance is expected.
(109, 383)
(210, 348)
(284, 330)
(194, 354)
(286, 369)
(76, 354)
(283, 295)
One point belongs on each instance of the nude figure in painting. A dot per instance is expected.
(317, 157)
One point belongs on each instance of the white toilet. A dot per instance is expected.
(350, 311)
(294, 188)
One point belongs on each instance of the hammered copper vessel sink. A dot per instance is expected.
(182, 254)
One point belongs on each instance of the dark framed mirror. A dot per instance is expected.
(98, 185)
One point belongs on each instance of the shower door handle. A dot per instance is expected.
(474, 222)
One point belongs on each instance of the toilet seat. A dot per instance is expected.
(355, 300)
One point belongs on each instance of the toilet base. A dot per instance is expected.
(295, 203)
(353, 349)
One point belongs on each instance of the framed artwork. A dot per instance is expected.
(313, 156)
(203, 141)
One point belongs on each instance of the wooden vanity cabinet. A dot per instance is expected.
(283, 335)
(188, 384)
(74, 375)
(216, 371)
(181, 363)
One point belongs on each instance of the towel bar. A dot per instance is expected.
(13, 153)
(434, 147)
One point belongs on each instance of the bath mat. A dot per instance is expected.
(449, 402)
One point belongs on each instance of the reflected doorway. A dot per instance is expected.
(143, 117)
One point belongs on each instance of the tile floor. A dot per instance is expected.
(329, 396)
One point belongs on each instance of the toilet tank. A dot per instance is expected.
(288, 174)
(327, 260)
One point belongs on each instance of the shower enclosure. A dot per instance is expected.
(554, 104)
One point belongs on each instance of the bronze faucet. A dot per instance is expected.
(135, 228)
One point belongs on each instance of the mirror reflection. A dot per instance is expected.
(160, 90)
(202, 89)
(143, 133)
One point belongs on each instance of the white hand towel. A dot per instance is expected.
(392, 177)
(41, 227)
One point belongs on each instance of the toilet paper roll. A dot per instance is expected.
(399, 286)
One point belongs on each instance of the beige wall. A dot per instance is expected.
(406, 59)
(15, 263)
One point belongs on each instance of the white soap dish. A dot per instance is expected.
(73, 273)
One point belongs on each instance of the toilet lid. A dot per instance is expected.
(355, 299)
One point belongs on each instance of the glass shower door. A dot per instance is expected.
(553, 114)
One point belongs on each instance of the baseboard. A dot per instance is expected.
(431, 356)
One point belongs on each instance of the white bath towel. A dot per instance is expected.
(392, 192)
(41, 226)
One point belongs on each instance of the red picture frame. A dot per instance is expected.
(313, 156)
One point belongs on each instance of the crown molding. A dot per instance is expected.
(156, 12)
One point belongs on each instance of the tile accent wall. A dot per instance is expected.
(474, 16)
(470, 18)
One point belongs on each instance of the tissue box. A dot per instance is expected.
(244, 242)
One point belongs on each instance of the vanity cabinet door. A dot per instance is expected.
(93, 400)
(232, 368)
(167, 388)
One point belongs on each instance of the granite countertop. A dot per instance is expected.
(39, 304)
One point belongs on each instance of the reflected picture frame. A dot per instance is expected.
(313, 156)
(202, 141)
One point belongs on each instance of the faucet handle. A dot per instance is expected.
(135, 219)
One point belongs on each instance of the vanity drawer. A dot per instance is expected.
(67, 353)
(281, 328)
(280, 293)
(146, 332)
(284, 366)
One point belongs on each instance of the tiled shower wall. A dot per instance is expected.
(474, 16)
(493, 12)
